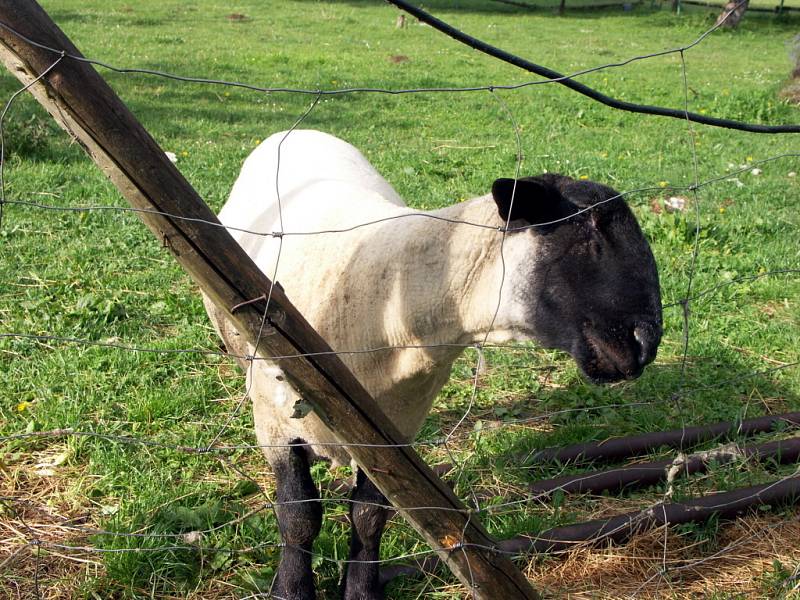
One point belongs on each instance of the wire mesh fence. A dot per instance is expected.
(486, 424)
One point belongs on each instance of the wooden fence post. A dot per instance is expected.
(81, 102)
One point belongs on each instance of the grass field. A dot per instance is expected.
(101, 278)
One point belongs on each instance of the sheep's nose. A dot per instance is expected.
(648, 336)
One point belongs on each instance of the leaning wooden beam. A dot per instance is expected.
(636, 445)
(81, 102)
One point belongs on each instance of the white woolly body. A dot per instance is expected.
(405, 281)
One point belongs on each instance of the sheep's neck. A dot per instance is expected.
(449, 289)
(442, 295)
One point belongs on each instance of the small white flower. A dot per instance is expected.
(675, 204)
(756, 172)
(792, 174)
(54, 461)
(192, 537)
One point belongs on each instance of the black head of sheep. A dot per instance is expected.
(593, 289)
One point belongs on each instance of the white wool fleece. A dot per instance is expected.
(407, 280)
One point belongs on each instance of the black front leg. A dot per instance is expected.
(299, 520)
(367, 520)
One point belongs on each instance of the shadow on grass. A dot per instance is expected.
(161, 106)
(712, 390)
(726, 387)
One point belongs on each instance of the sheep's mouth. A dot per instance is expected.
(608, 358)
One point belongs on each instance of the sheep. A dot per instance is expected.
(566, 257)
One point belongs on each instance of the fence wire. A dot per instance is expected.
(34, 538)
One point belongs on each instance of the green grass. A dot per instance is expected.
(101, 276)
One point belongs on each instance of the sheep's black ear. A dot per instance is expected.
(534, 199)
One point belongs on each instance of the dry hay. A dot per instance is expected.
(665, 564)
(38, 505)
(791, 91)
(47, 522)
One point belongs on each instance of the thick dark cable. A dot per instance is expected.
(557, 77)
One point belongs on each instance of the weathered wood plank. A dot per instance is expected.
(81, 102)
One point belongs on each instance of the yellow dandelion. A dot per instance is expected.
(662, 184)
(23, 406)
(583, 177)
